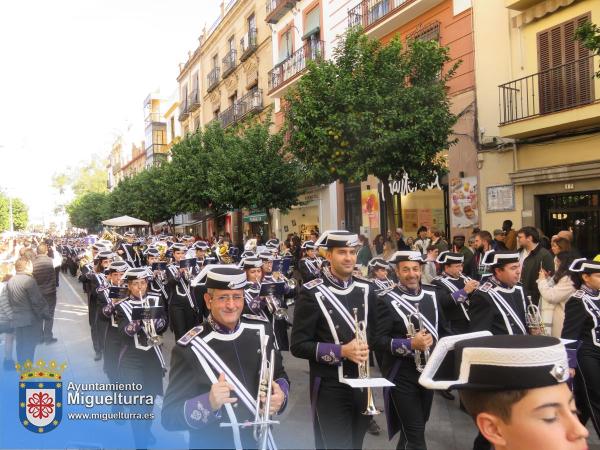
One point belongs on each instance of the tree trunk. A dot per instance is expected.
(389, 208)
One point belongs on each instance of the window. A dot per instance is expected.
(429, 32)
(566, 71)
(312, 24)
(233, 99)
(252, 22)
(216, 113)
(195, 81)
(173, 128)
(215, 61)
(285, 45)
(184, 94)
(231, 44)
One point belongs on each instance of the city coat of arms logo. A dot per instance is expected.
(40, 395)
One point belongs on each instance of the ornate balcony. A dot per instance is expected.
(295, 64)
(249, 103)
(248, 44)
(184, 111)
(276, 9)
(229, 62)
(212, 79)
(194, 100)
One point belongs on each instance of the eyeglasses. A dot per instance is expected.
(224, 298)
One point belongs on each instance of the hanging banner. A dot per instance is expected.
(370, 208)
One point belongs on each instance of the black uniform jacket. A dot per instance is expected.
(453, 300)
(582, 320)
(497, 308)
(323, 321)
(186, 405)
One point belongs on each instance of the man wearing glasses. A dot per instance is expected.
(216, 369)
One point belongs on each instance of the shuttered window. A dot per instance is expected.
(565, 66)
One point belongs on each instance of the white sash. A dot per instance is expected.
(339, 307)
(594, 311)
(501, 303)
(219, 365)
(453, 289)
(401, 301)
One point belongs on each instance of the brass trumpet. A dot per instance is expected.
(262, 419)
(421, 357)
(534, 318)
(153, 337)
(360, 333)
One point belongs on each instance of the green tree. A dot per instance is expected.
(88, 210)
(20, 213)
(379, 109)
(589, 35)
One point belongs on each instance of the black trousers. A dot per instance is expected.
(182, 318)
(587, 387)
(27, 338)
(412, 403)
(97, 338)
(339, 422)
(49, 323)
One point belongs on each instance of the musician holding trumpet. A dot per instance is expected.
(226, 381)
(409, 323)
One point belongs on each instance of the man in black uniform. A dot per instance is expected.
(309, 266)
(183, 310)
(224, 354)
(324, 333)
(499, 305)
(128, 251)
(405, 351)
(454, 289)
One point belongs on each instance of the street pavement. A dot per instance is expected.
(448, 428)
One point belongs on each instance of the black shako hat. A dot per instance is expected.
(308, 245)
(583, 265)
(251, 262)
(450, 258)
(378, 263)
(482, 362)
(104, 254)
(227, 278)
(406, 255)
(118, 266)
(178, 247)
(136, 273)
(201, 245)
(337, 238)
(499, 259)
(152, 251)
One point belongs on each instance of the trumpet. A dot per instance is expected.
(534, 318)
(262, 419)
(275, 308)
(360, 333)
(153, 337)
(421, 357)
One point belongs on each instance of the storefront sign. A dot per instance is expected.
(405, 187)
(370, 208)
(501, 198)
(464, 210)
(256, 217)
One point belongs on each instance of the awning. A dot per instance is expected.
(125, 221)
(256, 217)
(538, 11)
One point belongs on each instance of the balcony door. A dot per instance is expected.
(565, 66)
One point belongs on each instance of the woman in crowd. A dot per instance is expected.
(555, 290)
(6, 316)
(560, 245)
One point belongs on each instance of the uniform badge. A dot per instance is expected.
(485, 286)
(579, 293)
(313, 283)
(187, 337)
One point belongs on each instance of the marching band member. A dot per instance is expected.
(378, 269)
(128, 251)
(254, 305)
(499, 304)
(217, 369)
(324, 332)
(201, 249)
(272, 245)
(453, 290)
(156, 283)
(409, 323)
(111, 335)
(582, 324)
(184, 313)
(141, 359)
(309, 266)
(517, 402)
(97, 299)
(279, 322)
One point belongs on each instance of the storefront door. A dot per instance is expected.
(579, 212)
(353, 214)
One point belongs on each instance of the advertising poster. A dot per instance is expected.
(464, 204)
(370, 208)
(410, 220)
(425, 217)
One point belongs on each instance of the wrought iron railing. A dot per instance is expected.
(229, 62)
(212, 79)
(562, 87)
(276, 9)
(184, 112)
(295, 63)
(248, 44)
(368, 12)
(228, 116)
(194, 100)
(250, 102)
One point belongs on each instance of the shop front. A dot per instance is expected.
(304, 218)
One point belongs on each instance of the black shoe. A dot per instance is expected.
(373, 428)
(8, 364)
(447, 395)
(98, 356)
(50, 340)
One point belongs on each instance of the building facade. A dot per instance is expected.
(539, 117)
(155, 131)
